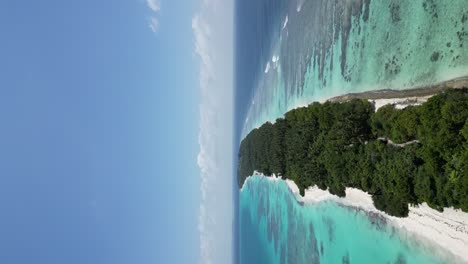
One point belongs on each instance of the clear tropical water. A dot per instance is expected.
(317, 49)
(294, 52)
(275, 228)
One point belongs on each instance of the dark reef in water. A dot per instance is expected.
(331, 20)
(345, 259)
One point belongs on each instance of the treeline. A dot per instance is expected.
(338, 145)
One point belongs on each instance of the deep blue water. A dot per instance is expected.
(256, 23)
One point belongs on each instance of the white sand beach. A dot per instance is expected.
(400, 103)
(448, 229)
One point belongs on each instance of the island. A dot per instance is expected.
(401, 157)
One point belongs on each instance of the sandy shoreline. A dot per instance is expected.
(448, 229)
(403, 98)
(404, 94)
(399, 98)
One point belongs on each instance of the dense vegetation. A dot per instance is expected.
(338, 145)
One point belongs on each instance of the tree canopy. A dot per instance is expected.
(337, 145)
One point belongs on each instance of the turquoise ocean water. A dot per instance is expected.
(294, 52)
(275, 228)
(324, 48)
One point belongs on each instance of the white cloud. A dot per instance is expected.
(213, 29)
(153, 24)
(154, 5)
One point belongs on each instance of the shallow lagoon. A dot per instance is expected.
(275, 228)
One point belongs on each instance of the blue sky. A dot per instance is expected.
(102, 139)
